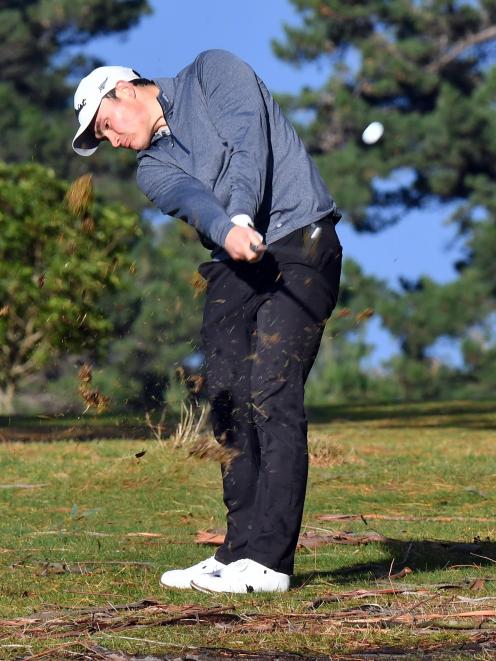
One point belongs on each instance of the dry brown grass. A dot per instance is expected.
(79, 195)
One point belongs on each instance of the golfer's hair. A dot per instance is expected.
(137, 82)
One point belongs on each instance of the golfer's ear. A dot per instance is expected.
(124, 88)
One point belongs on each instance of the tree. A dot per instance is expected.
(41, 62)
(157, 316)
(425, 69)
(418, 316)
(339, 374)
(55, 267)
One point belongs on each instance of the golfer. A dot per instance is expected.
(215, 150)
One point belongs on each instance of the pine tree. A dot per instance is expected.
(41, 57)
(51, 292)
(426, 70)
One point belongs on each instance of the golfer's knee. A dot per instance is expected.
(276, 411)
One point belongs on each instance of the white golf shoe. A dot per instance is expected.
(242, 576)
(181, 578)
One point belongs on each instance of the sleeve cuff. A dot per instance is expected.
(242, 220)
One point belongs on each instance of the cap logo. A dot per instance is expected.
(101, 87)
(80, 107)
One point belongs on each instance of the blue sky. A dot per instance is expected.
(171, 38)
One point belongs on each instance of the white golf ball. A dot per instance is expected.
(373, 133)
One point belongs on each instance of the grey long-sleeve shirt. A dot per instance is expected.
(231, 151)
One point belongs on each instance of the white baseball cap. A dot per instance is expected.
(87, 99)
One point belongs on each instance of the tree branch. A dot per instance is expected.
(477, 38)
(19, 370)
(29, 341)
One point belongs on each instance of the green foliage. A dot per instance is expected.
(55, 268)
(425, 70)
(40, 62)
(417, 316)
(479, 353)
(339, 374)
(425, 311)
(157, 316)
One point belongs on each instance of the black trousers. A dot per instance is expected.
(262, 327)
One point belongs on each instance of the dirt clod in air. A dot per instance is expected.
(92, 398)
(79, 196)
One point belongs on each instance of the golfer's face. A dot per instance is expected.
(124, 122)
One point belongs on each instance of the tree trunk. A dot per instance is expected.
(7, 399)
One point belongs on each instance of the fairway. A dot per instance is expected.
(397, 557)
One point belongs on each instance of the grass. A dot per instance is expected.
(89, 524)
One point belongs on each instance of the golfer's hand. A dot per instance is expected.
(244, 244)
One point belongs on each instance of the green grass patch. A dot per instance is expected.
(87, 525)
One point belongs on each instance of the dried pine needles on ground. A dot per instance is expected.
(414, 613)
(397, 559)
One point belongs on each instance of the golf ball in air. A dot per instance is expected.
(373, 133)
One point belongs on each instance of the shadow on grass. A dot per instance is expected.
(418, 555)
(471, 415)
(464, 415)
(72, 428)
